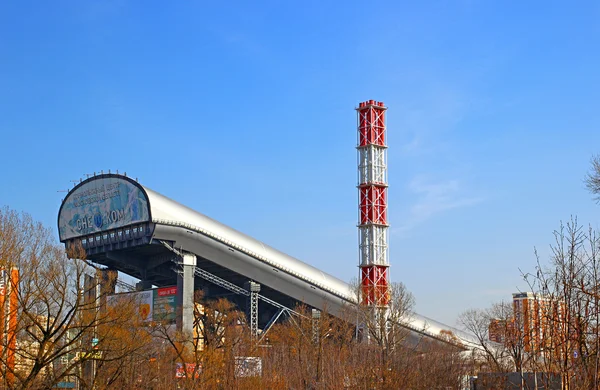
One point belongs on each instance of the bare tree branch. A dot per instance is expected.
(592, 179)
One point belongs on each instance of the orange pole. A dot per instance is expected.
(12, 325)
(2, 312)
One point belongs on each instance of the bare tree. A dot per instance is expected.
(492, 356)
(386, 326)
(52, 316)
(59, 326)
(206, 359)
(386, 329)
(570, 288)
(438, 365)
(592, 179)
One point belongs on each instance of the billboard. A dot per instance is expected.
(164, 304)
(159, 304)
(103, 203)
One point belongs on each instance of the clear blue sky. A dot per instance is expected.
(245, 113)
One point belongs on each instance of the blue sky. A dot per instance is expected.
(245, 113)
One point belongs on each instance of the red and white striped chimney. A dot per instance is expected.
(372, 189)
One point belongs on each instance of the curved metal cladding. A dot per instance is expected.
(94, 206)
(197, 233)
(427, 326)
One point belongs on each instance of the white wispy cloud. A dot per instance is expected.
(425, 122)
(435, 197)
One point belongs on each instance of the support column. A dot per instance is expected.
(185, 295)
(254, 289)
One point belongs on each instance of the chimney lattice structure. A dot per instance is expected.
(372, 191)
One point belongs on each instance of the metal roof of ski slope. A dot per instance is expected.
(166, 211)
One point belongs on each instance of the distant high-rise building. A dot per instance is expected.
(500, 330)
(538, 324)
(532, 319)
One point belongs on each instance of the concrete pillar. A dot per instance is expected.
(185, 295)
